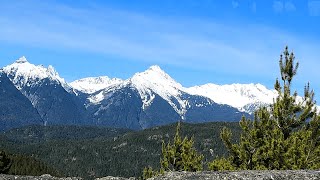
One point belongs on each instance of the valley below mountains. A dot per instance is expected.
(34, 94)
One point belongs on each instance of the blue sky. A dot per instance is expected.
(195, 41)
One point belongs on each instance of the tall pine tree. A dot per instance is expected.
(284, 135)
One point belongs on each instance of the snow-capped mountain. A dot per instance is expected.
(47, 91)
(147, 99)
(156, 81)
(93, 84)
(245, 97)
(154, 98)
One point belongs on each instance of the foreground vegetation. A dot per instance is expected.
(282, 136)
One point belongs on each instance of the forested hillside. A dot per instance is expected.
(104, 151)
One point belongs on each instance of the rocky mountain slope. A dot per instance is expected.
(15, 109)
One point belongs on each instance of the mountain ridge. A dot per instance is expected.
(240, 96)
(245, 97)
(157, 90)
(147, 99)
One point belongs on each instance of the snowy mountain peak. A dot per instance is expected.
(155, 80)
(21, 60)
(155, 68)
(23, 73)
(155, 75)
(93, 84)
(154, 71)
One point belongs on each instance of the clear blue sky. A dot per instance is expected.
(195, 41)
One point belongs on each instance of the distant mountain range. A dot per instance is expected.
(245, 97)
(147, 99)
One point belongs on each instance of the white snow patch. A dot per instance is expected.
(106, 93)
(96, 99)
(101, 108)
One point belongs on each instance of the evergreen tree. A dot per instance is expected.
(178, 156)
(5, 162)
(181, 155)
(284, 135)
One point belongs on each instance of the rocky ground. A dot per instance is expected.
(242, 175)
(236, 175)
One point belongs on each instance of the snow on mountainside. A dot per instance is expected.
(152, 98)
(148, 83)
(93, 84)
(155, 80)
(100, 95)
(245, 97)
(25, 74)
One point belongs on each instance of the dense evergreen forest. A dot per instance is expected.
(96, 152)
